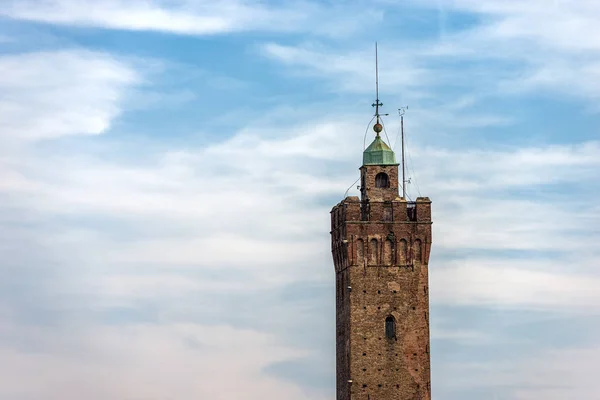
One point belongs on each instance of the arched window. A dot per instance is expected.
(390, 327)
(382, 180)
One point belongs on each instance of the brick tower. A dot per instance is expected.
(380, 245)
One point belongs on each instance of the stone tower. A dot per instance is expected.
(380, 245)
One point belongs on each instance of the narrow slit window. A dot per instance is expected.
(390, 327)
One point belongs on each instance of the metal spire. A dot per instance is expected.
(377, 127)
(377, 102)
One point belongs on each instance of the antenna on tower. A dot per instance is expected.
(402, 111)
(377, 127)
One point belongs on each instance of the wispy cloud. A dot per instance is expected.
(548, 374)
(193, 17)
(514, 168)
(41, 100)
(558, 366)
(556, 43)
(216, 253)
(142, 361)
(517, 283)
(508, 50)
(268, 223)
(351, 70)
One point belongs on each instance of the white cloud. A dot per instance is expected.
(353, 70)
(193, 17)
(68, 92)
(462, 336)
(185, 361)
(514, 190)
(257, 195)
(558, 24)
(556, 43)
(488, 169)
(510, 49)
(259, 217)
(553, 374)
(239, 174)
(517, 283)
(185, 17)
(559, 374)
(115, 233)
(465, 223)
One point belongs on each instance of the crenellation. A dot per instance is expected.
(423, 205)
(352, 209)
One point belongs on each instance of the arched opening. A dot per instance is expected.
(387, 252)
(417, 250)
(403, 249)
(360, 248)
(390, 327)
(382, 180)
(373, 250)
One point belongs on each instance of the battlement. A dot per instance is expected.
(352, 210)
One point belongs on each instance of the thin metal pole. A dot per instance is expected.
(377, 103)
(376, 84)
(376, 74)
(403, 173)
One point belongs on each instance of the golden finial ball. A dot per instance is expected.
(378, 127)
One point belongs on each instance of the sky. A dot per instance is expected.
(167, 168)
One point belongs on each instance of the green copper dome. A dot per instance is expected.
(379, 153)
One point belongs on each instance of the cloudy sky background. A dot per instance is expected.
(167, 168)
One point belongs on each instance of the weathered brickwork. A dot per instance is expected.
(380, 246)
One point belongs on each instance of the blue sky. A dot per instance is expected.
(168, 168)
